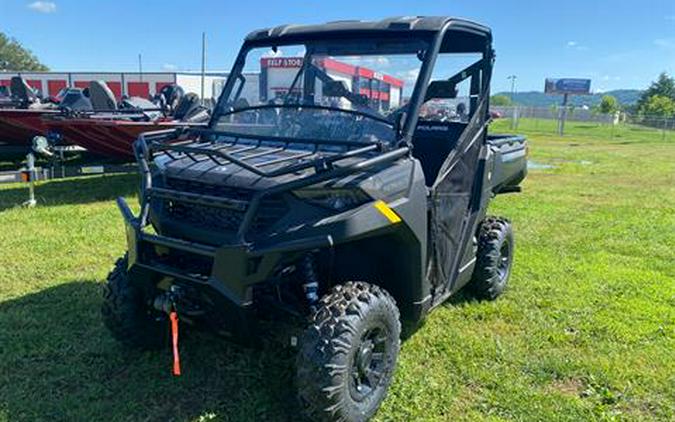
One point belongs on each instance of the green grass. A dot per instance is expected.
(585, 331)
(623, 132)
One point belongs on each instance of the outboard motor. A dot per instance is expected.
(101, 97)
(169, 97)
(22, 94)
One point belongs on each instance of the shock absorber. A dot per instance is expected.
(310, 283)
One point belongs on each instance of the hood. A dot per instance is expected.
(265, 156)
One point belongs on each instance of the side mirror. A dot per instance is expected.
(441, 90)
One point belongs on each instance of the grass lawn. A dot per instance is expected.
(585, 331)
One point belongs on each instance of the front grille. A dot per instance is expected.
(270, 211)
(193, 265)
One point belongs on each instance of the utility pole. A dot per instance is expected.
(514, 119)
(140, 67)
(203, 64)
(563, 115)
(513, 78)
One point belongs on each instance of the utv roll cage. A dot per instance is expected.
(445, 35)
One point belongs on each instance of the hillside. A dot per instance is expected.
(539, 99)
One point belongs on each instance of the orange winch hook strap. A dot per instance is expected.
(174, 336)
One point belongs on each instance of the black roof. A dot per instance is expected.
(407, 24)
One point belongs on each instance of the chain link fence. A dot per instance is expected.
(578, 121)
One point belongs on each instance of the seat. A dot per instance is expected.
(101, 97)
(22, 93)
(187, 105)
(74, 99)
(432, 143)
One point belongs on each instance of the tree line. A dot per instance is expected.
(15, 57)
(656, 101)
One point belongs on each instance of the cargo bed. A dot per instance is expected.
(509, 166)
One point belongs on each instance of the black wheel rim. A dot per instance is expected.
(369, 363)
(504, 258)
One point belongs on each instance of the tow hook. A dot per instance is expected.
(167, 303)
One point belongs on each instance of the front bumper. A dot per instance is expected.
(234, 269)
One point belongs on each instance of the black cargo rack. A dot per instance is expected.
(204, 145)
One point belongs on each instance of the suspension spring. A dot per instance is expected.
(310, 284)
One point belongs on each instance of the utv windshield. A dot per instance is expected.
(329, 90)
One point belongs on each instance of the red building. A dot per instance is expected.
(277, 74)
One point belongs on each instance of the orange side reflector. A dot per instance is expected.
(174, 336)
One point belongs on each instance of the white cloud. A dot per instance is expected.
(169, 66)
(665, 42)
(272, 53)
(576, 46)
(408, 76)
(43, 6)
(377, 63)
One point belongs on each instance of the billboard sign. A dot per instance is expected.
(568, 86)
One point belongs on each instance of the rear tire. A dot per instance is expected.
(493, 259)
(127, 313)
(348, 353)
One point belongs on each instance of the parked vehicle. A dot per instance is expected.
(91, 118)
(348, 221)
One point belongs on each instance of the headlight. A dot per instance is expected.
(335, 199)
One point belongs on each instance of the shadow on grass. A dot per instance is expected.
(82, 190)
(587, 126)
(58, 362)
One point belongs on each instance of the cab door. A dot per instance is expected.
(455, 194)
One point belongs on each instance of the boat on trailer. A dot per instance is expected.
(21, 113)
(110, 129)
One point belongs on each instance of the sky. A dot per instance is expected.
(618, 43)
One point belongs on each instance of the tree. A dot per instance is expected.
(500, 100)
(13, 56)
(608, 104)
(664, 86)
(658, 106)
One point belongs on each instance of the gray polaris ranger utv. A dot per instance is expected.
(342, 188)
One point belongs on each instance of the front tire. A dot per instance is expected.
(493, 259)
(348, 353)
(127, 314)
